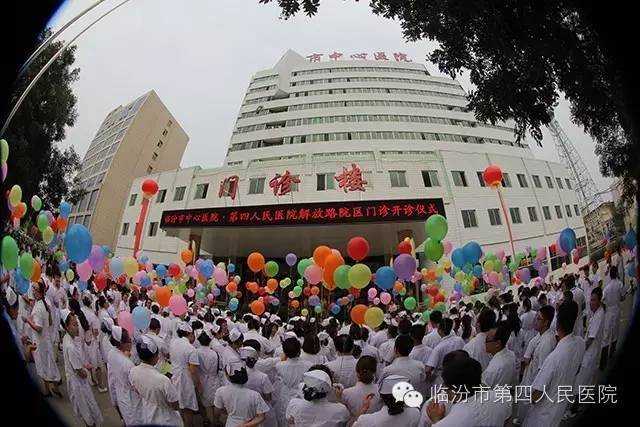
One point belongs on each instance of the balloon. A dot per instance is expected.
(291, 259)
(26, 265)
(492, 176)
(220, 277)
(125, 321)
(358, 248)
(357, 314)
(9, 253)
(84, 270)
(320, 255)
(372, 293)
(317, 309)
(47, 235)
(207, 268)
(488, 266)
(436, 227)
(385, 277)
(61, 224)
(257, 307)
(313, 274)
(410, 303)
(303, 264)
(433, 248)
(36, 203)
(64, 209)
(335, 309)
(630, 239)
(272, 285)
(149, 188)
(15, 195)
(404, 266)
(255, 261)
(161, 270)
(177, 305)
(341, 276)
(77, 243)
(567, 240)
(448, 247)
(174, 270)
(130, 266)
(231, 268)
(404, 247)
(359, 276)
(373, 317)
(96, 258)
(37, 271)
(4, 150)
(4, 171)
(145, 281)
(271, 268)
(42, 221)
(100, 281)
(314, 300)
(525, 274)
(163, 295)
(458, 258)
(295, 303)
(141, 318)
(472, 252)
(186, 256)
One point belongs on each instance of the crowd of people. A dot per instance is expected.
(240, 369)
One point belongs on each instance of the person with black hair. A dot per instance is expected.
(314, 409)
(344, 366)
(209, 373)
(311, 350)
(80, 395)
(58, 298)
(448, 343)
(558, 369)
(580, 298)
(92, 344)
(393, 413)
(612, 296)
(123, 396)
(501, 370)
(257, 380)
(387, 351)
(516, 341)
(253, 333)
(432, 337)
(379, 336)
(154, 334)
(289, 373)
(185, 371)
(420, 352)
(239, 404)
(476, 347)
(353, 397)
(527, 321)
(406, 367)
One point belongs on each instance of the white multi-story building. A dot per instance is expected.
(410, 134)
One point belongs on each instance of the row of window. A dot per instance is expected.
(99, 166)
(261, 89)
(369, 135)
(358, 69)
(87, 203)
(374, 79)
(367, 118)
(264, 78)
(469, 219)
(460, 180)
(80, 219)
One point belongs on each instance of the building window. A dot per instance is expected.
(92, 200)
(494, 216)
(155, 156)
(165, 132)
(149, 169)
(481, 180)
(153, 229)
(566, 180)
(325, 181)
(86, 221)
(159, 144)
(567, 209)
(506, 181)
(522, 180)
(178, 194)
(469, 218)
(459, 179)
(533, 214)
(125, 228)
(161, 196)
(558, 211)
(368, 176)
(398, 178)
(201, 191)
(576, 210)
(430, 178)
(549, 182)
(547, 213)
(515, 215)
(536, 181)
(256, 185)
(132, 199)
(169, 123)
(559, 181)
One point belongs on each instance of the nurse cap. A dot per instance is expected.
(216, 311)
(11, 296)
(204, 331)
(323, 335)
(212, 327)
(387, 383)
(233, 367)
(147, 343)
(107, 322)
(325, 322)
(234, 335)
(111, 311)
(64, 314)
(248, 353)
(185, 327)
(116, 333)
(288, 335)
(318, 380)
(73, 289)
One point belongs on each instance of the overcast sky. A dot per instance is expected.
(199, 55)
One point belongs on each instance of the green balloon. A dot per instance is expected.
(4, 150)
(303, 264)
(433, 248)
(317, 309)
(36, 203)
(43, 222)
(441, 307)
(297, 291)
(436, 227)
(271, 268)
(341, 276)
(359, 276)
(47, 235)
(287, 281)
(59, 256)
(513, 266)
(182, 288)
(9, 253)
(426, 315)
(26, 265)
(410, 303)
(300, 282)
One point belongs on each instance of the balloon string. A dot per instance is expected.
(506, 218)
(140, 225)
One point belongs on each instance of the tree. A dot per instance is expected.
(35, 162)
(520, 54)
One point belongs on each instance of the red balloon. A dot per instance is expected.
(358, 248)
(433, 291)
(174, 270)
(355, 292)
(149, 187)
(552, 248)
(306, 291)
(122, 279)
(404, 247)
(100, 281)
(492, 176)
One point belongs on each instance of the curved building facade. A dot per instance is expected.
(324, 151)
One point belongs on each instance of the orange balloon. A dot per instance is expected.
(257, 307)
(232, 287)
(357, 314)
(61, 224)
(329, 286)
(398, 286)
(320, 255)
(431, 275)
(331, 263)
(315, 290)
(37, 271)
(255, 261)
(295, 303)
(163, 294)
(272, 284)
(186, 255)
(20, 210)
(345, 300)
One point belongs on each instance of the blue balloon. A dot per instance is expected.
(458, 258)
(467, 268)
(83, 285)
(116, 266)
(215, 291)
(351, 297)
(22, 284)
(143, 259)
(630, 239)
(477, 271)
(161, 271)
(145, 281)
(141, 318)
(231, 268)
(106, 250)
(385, 278)
(335, 309)
(207, 268)
(77, 243)
(233, 306)
(457, 287)
(65, 209)
(472, 252)
(567, 240)
(63, 265)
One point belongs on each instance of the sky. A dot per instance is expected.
(199, 56)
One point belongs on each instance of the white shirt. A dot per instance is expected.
(315, 359)
(537, 351)
(122, 392)
(432, 339)
(344, 370)
(477, 411)
(420, 353)
(445, 346)
(210, 374)
(259, 382)
(353, 397)
(611, 294)
(412, 369)
(378, 338)
(477, 349)
(387, 350)
(265, 345)
(501, 370)
(317, 413)
(156, 392)
(241, 404)
(288, 377)
(183, 354)
(410, 417)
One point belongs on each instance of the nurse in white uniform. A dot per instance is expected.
(353, 397)
(123, 396)
(210, 373)
(241, 405)
(477, 347)
(315, 410)
(393, 413)
(92, 343)
(448, 343)
(611, 298)
(288, 376)
(403, 366)
(344, 365)
(184, 371)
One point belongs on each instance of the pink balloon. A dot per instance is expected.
(84, 270)
(385, 298)
(188, 269)
(194, 273)
(493, 278)
(372, 292)
(448, 247)
(137, 278)
(148, 267)
(210, 297)
(177, 305)
(313, 274)
(220, 276)
(376, 300)
(500, 254)
(125, 321)
(191, 293)
(96, 258)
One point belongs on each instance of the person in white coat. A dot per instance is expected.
(92, 344)
(580, 298)
(612, 296)
(527, 321)
(253, 333)
(501, 370)
(393, 413)
(311, 350)
(402, 365)
(315, 410)
(559, 369)
(353, 397)
(420, 352)
(343, 367)
(258, 381)
(448, 343)
(241, 405)
(289, 373)
(80, 395)
(209, 374)
(158, 395)
(477, 347)
(123, 395)
(155, 327)
(184, 371)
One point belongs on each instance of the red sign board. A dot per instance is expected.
(305, 213)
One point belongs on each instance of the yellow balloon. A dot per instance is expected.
(69, 275)
(439, 270)
(359, 276)
(130, 266)
(446, 263)
(304, 312)
(488, 266)
(373, 317)
(459, 276)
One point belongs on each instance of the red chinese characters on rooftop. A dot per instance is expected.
(351, 179)
(335, 56)
(315, 57)
(229, 187)
(282, 184)
(401, 57)
(378, 56)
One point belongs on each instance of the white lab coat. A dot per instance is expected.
(477, 349)
(163, 351)
(537, 351)
(344, 370)
(477, 411)
(420, 353)
(595, 329)
(501, 370)
(210, 374)
(410, 417)
(387, 351)
(353, 397)
(579, 298)
(288, 377)
(56, 299)
(44, 356)
(80, 395)
(183, 354)
(317, 413)
(528, 323)
(432, 339)
(122, 392)
(91, 343)
(260, 383)
(314, 359)
(611, 295)
(559, 369)
(241, 404)
(265, 345)
(446, 345)
(412, 369)
(378, 338)
(156, 392)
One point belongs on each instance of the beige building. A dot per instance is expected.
(134, 140)
(603, 223)
(630, 212)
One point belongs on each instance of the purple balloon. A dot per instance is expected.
(291, 259)
(544, 270)
(96, 258)
(404, 265)
(525, 274)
